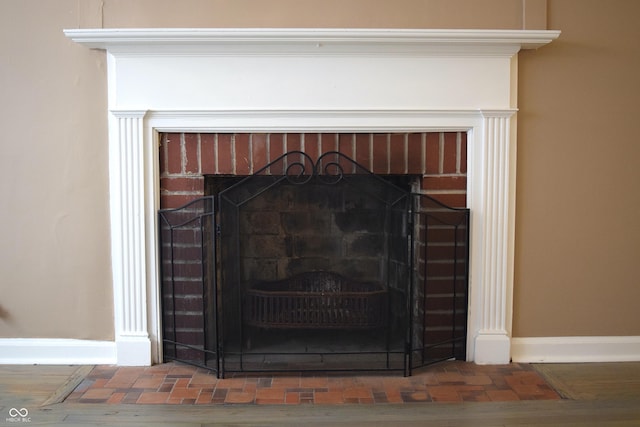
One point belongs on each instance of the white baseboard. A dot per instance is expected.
(492, 349)
(133, 350)
(47, 351)
(54, 351)
(575, 349)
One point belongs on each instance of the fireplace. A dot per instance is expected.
(317, 80)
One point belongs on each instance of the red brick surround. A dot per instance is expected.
(440, 158)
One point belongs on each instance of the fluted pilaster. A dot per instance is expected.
(126, 158)
(496, 282)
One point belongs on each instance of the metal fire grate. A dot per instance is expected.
(316, 300)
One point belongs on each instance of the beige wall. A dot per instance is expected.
(54, 252)
(578, 235)
(325, 13)
(577, 197)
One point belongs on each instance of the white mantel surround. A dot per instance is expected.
(308, 80)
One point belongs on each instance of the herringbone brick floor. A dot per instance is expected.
(174, 383)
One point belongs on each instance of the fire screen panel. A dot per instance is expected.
(320, 266)
(188, 283)
(440, 291)
(306, 281)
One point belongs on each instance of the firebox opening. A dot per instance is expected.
(314, 264)
(314, 255)
(313, 261)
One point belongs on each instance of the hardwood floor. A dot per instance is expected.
(594, 381)
(596, 395)
(33, 385)
(561, 413)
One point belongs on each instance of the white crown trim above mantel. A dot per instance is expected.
(310, 80)
(313, 41)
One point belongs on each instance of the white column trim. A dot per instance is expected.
(494, 231)
(128, 252)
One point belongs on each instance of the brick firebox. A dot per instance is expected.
(436, 163)
(439, 158)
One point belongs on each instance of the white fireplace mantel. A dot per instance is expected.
(355, 80)
(319, 40)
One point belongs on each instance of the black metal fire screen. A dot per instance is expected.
(314, 266)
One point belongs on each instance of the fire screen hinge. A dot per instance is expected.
(409, 223)
(218, 229)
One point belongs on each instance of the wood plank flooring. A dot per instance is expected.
(597, 395)
(593, 380)
(33, 385)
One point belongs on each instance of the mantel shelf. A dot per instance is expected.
(312, 41)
